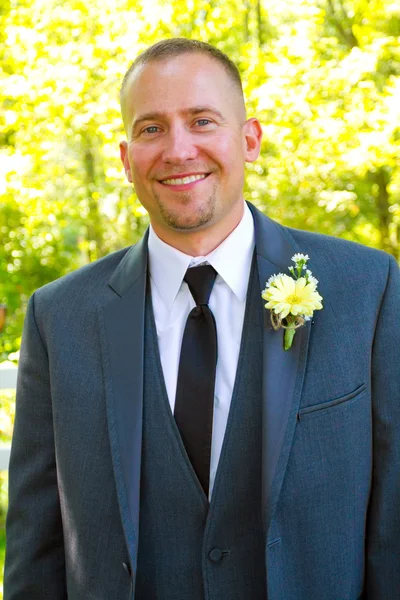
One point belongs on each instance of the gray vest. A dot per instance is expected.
(190, 549)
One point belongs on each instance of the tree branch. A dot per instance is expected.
(346, 34)
(260, 24)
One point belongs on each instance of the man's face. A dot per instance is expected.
(188, 140)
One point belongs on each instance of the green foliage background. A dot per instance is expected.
(323, 76)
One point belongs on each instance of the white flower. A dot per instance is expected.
(311, 278)
(300, 257)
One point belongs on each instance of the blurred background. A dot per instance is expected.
(323, 77)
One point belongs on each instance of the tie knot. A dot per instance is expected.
(200, 281)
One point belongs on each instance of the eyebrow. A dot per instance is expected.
(194, 110)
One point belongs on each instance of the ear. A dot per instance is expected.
(252, 133)
(123, 152)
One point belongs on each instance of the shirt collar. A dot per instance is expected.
(231, 259)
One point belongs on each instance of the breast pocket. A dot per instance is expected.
(323, 408)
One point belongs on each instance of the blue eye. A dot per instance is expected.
(150, 129)
(203, 121)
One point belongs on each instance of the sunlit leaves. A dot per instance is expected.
(323, 76)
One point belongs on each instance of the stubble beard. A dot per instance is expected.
(177, 221)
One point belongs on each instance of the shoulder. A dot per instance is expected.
(327, 253)
(339, 254)
(83, 284)
(355, 281)
(69, 305)
(343, 268)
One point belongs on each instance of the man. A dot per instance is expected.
(116, 489)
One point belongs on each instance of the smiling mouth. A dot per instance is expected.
(184, 180)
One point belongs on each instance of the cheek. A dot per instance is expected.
(228, 151)
(140, 160)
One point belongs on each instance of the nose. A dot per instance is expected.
(179, 146)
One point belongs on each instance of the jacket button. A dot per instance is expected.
(127, 568)
(215, 555)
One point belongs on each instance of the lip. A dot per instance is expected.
(184, 186)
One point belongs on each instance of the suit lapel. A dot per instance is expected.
(283, 371)
(122, 327)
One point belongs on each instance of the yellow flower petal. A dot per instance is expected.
(289, 296)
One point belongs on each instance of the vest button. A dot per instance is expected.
(215, 555)
(127, 568)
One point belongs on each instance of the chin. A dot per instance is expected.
(189, 223)
(188, 219)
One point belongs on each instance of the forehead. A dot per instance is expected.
(174, 84)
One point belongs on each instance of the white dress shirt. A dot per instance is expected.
(172, 302)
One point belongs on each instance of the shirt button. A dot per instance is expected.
(215, 555)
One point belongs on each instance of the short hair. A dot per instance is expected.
(177, 46)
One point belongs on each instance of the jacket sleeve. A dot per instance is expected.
(383, 524)
(35, 564)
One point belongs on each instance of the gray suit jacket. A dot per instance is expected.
(331, 430)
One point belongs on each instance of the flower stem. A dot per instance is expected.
(288, 337)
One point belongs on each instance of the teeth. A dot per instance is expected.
(184, 180)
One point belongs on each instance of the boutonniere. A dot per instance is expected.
(292, 298)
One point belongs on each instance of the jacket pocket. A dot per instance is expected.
(317, 410)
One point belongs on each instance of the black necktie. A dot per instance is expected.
(194, 401)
